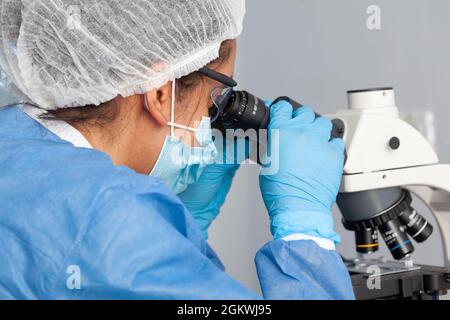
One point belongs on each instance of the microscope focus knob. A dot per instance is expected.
(394, 143)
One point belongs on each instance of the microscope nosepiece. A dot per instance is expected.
(389, 211)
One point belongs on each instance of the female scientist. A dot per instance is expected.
(92, 201)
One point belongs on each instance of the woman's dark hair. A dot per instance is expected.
(108, 111)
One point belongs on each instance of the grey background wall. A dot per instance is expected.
(316, 50)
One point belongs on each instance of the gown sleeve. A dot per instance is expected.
(301, 270)
(148, 247)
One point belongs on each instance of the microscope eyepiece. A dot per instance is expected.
(241, 110)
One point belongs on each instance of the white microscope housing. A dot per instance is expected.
(386, 154)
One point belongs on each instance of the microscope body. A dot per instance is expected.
(388, 160)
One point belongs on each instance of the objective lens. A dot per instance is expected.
(416, 225)
(397, 240)
(366, 241)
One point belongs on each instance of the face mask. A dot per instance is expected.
(179, 164)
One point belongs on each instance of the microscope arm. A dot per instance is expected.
(430, 183)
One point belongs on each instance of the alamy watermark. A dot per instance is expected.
(374, 279)
(374, 17)
(73, 281)
(246, 147)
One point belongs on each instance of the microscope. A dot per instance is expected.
(388, 163)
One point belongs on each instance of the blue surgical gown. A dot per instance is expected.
(75, 226)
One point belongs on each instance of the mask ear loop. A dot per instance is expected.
(172, 112)
(172, 123)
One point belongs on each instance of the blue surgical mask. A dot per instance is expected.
(180, 165)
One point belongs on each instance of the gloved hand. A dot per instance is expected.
(300, 194)
(205, 198)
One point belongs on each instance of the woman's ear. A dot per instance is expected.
(159, 103)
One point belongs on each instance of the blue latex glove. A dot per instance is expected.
(205, 198)
(300, 194)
